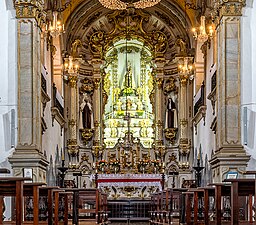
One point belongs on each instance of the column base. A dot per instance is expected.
(31, 159)
(228, 159)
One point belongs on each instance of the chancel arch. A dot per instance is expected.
(129, 74)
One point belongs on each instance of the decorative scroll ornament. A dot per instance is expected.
(30, 9)
(86, 134)
(170, 86)
(129, 22)
(170, 134)
(87, 86)
(123, 4)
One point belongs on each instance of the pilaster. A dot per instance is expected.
(30, 16)
(230, 154)
(73, 148)
(97, 107)
(159, 78)
(184, 146)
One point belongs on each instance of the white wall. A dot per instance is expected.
(53, 138)
(8, 81)
(204, 137)
(248, 78)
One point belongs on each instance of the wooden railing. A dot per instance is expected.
(129, 210)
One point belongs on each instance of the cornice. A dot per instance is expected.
(26, 9)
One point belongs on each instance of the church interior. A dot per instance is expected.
(127, 112)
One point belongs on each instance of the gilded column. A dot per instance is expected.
(97, 107)
(228, 92)
(29, 15)
(183, 115)
(73, 148)
(159, 122)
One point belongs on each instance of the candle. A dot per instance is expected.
(62, 155)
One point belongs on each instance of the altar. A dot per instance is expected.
(120, 186)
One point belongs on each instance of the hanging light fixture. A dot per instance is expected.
(202, 33)
(185, 67)
(71, 65)
(123, 4)
(54, 8)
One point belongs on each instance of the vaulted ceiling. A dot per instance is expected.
(172, 17)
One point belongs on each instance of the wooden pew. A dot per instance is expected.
(88, 205)
(240, 187)
(13, 186)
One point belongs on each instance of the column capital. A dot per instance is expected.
(72, 80)
(183, 80)
(96, 82)
(229, 7)
(159, 82)
(30, 9)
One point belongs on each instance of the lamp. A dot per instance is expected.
(54, 9)
(123, 4)
(185, 66)
(71, 65)
(201, 33)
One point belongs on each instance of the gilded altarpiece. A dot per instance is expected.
(129, 88)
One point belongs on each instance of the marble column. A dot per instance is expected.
(29, 15)
(230, 154)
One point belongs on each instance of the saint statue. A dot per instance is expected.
(86, 113)
(171, 114)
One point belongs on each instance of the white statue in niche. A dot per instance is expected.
(86, 113)
(171, 120)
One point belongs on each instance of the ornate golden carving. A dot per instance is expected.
(72, 79)
(97, 151)
(73, 148)
(231, 8)
(183, 79)
(87, 86)
(170, 134)
(160, 43)
(184, 141)
(97, 83)
(71, 142)
(228, 8)
(97, 44)
(86, 134)
(30, 9)
(128, 23)
(159, 82)
(71, 122)
(75, 48)
(170, 86)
